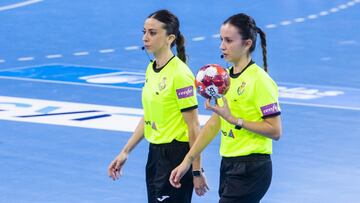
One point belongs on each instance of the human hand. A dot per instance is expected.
(177, 174)
(222, 111)
(200, 184)
(115, 167)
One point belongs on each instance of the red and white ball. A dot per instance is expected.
(212, 81)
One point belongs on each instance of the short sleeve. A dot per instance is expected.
(266, 99)
(184, 85)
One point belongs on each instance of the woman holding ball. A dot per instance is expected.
(248, 117)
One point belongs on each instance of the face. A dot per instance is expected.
(233, 47)
(155, 38)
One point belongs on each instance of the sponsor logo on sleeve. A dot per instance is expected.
(185, 92)
(269, 109)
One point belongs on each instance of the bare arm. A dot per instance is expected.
(192, 121)
(269, 127)
(115, 167)
(207, 134)
(136, 137)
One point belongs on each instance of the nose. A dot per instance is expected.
(145, 37)
(222, 46)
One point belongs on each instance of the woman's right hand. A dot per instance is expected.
(177, 174)
(115, 167)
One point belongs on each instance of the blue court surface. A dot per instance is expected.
(71, 74)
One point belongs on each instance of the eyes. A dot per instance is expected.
(226, 39)
(151, 32)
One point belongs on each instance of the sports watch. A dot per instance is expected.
(239, 124)
(197, 173)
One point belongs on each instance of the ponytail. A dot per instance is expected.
(172, 26)
(180, 47)
(263, 47)
(248, 30)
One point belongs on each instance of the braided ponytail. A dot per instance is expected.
(263, 47)
(172, 26)
(180, 47)
(248, 30)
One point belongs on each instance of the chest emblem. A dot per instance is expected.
(241, 89)
(162, 84)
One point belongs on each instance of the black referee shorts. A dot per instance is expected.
(162, 159)
(244, 179)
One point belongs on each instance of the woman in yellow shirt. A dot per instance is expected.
(170, 123)
(248, 117)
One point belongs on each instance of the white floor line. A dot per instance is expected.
(105, 51)
(321, 105)
(83, 53)
(139, 89)
(17, 5)
(299, 20)
(271, 26)
(132, 48)
(319, 86)
(26, 58)
(53, 56)
(196, 39)
(201, 38)
(216, 35)
(69, 83)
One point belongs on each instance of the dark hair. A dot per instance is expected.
(172, 26)
(248, 30)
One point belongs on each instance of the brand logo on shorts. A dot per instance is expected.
(160, 199)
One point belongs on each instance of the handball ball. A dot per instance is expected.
(212, 80)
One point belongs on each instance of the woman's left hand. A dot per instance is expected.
(222, 111)
(200, 185)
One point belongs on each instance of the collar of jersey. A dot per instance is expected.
(232, 75)
(157, 70)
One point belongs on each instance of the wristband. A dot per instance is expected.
(239, 124)
(197, 173)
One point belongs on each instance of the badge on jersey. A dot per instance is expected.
(270, 109)
(185, 92)
(241, 89)
(162, 84)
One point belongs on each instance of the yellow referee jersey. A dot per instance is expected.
(252, 96)
(167, 92)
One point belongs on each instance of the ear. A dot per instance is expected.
(248, 43)
(171, 38)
